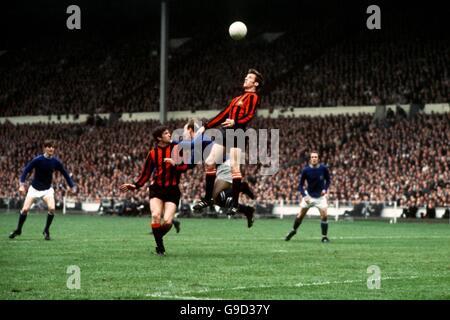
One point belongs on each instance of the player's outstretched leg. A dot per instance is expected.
(210, 179)
(22, 216)
(235, 161)
(177, 225)
(249, 213)
(165, 228)
(297, 222)
(18, 231)
(245, 189)
(236, 187)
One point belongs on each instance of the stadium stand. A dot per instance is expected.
(310, 63)
(399, 160)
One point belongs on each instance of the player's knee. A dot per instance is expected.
(51, 211)
(210, 161)
(26, 207)
(210, 164)
(169, 220)
(156, 217)
(24, 211)
(324, 217)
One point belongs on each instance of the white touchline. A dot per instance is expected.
(320, 283)
(269, 238)
(159, 295)
(299, 284)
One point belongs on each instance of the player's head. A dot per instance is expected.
(253, 81)
(49, 146)
(190, 127)
(161, 134)
(314, 157)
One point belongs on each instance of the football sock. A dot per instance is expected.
(210, 178)
(236, 190)
(242, 208)
(22, 218)
(324, 227)
(297, 223)
(245, 188)
(245, 209)
(165, 228)
(156, 228)
(49, 221)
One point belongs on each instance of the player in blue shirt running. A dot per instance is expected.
(41, 187)
(318, 178)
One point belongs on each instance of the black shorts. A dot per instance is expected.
(166, 194)
(232, 144)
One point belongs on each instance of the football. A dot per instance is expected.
(238, 30)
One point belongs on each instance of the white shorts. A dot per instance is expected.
(320, 203)
(224, 172)
(33, 193)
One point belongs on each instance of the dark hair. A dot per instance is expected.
(258, 76)
(49, 143)
(157, 133)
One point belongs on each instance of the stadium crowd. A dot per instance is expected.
(370, 73)
(309, 63)
(397, 160)
(77, 77)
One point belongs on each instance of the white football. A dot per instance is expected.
(237, 30)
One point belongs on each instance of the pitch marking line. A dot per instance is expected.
(234, 239)
(170, 296)
(297, 285)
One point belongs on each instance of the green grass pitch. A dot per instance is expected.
(223, 259)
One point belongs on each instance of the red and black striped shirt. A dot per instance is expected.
(164, 174)
(241, 110)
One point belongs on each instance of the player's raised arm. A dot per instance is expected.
(221, 117)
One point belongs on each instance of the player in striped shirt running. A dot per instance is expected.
(165, 194)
